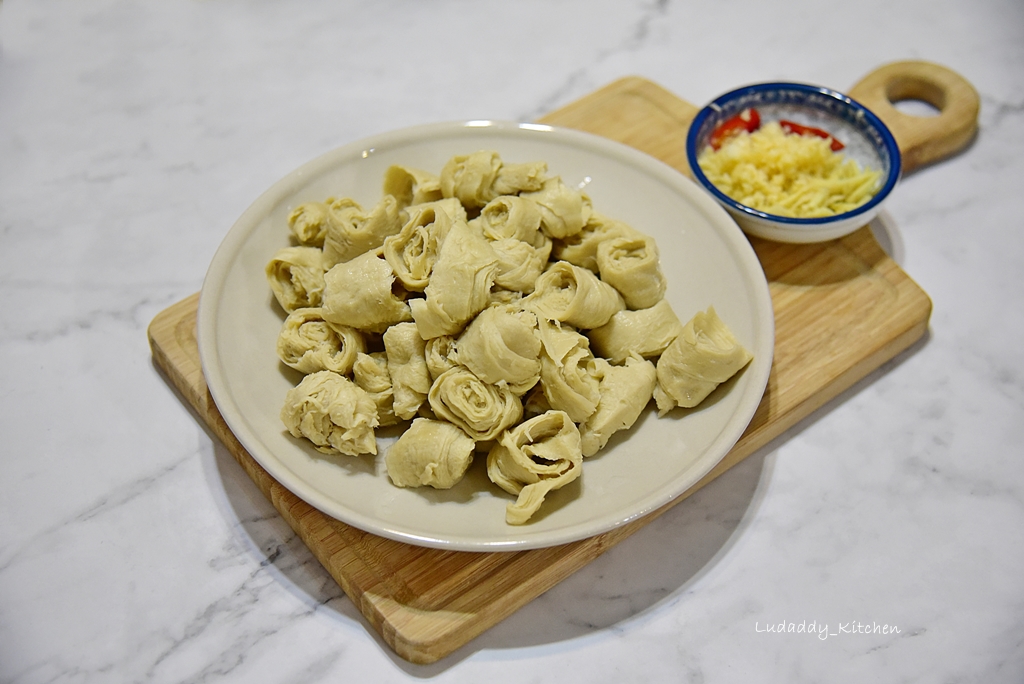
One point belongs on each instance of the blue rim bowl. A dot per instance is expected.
(867, 140)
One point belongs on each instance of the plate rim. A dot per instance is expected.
(248, 222)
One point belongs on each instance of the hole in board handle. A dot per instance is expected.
(914, 107)
(916, 96)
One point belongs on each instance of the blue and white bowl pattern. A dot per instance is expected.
(866, 138)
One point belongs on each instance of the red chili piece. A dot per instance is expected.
(748, 120)
(793, 127)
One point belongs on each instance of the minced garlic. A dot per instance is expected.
(790, 175)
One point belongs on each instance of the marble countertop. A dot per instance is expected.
(134, 549)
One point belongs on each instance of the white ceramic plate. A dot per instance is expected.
(705, 256)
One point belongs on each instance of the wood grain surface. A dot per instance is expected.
(842, 308)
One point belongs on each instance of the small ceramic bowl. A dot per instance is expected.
(867, 140)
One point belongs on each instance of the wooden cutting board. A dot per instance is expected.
(842, 308)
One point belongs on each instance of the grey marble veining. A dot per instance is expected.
(879, 540)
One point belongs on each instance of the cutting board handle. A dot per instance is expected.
(922, 139)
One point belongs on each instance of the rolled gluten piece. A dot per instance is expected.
(501, 347)
(567, 371)
(430, 453)
(469, 177)
(581, 248)
(512, 224)
(296, 277)
(573, 295)
(480, 409)
(351, 231)
(517, 178)
(407, 366)
(564, 210)
(532, 459)
(510, 216)
(360, 294)
(460, 285)
(631, 265)
(309, 344)
(624, 393)
(411, 186)
(646, 332)
(413, 252)
(477, 178)
(308, 223)
(440, 354)
(704, 355)
(333, 413)
(370, 373)
(520, 263)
